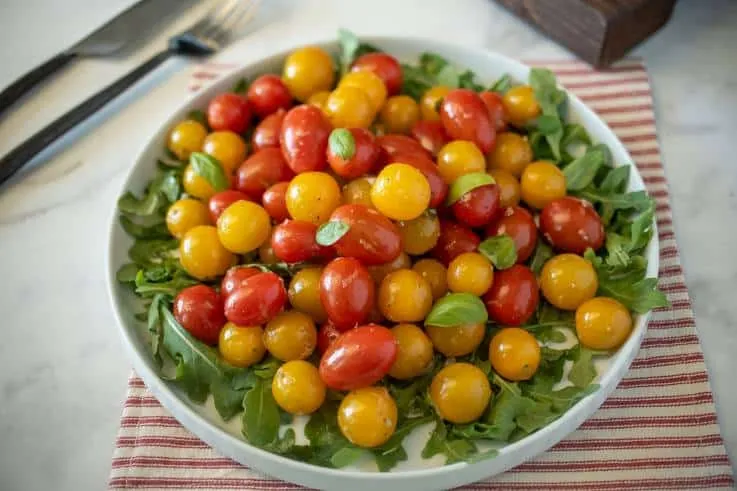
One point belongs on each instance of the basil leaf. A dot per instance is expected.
(500, 250)
(350, 49)
(502, 84)
(456, 309)
(467, 183)
(540, 256)
(241, 86)
(581, 172)
(583, 371)
(148, 205)
(574, 133)
(342, 143)
(260, 415)
(199, 116)
(331, 232)
(207, 167)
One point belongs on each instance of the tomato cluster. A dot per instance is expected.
(382, 202)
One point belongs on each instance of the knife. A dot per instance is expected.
(123, 31)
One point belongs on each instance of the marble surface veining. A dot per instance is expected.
(62, 367)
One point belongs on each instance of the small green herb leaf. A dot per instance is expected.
(455, 309)
(574, 133)
(209, 168)
(583, 371)
(199, 116)
(550, 99)
(500, 250)
(548, 125)
(581, 172)
(241, 86)
(342, 143)
(542, 253)
(502, 85)
(260, 414)
(467, 183)
(346, 456)
(454, 449)
(127, 273)
(350, 49)
(331, 232)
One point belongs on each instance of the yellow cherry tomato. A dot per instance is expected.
(568, 280)
(400, 192)
(319, 100)
(226, 147)
(470, 272)
(312, 197)
(184, 215)
(514, 354)
(358, 192)
(308, 70)
(457, 340)
(266, 253)
(349, 107)
(243, 227)
(304, 293)
(421, 234)
(603, 323)
(459, 157)
(460, 393)
(431, 100)
(509, 188)
(379, 272)
(297, 387)
(399, 114)
(368, 82)
(368, 417)
(196, 185)
(405, 296)
(241, 346)
(291, 335)
(435, 274)
(520, 105)
(414, 352)
(511, 153)
(186, 137)
(541, 183)
(202, 255)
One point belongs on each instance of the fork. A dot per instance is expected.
(202, 39)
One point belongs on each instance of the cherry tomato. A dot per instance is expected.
(509, 188)
(304, 138)
(228, 112)
(399, 114)
(360, 357)
(243, 227)
(347, 292)
(319, 99)
(358, 192)
(266, 133)
(184, 215)
(435, 274)
(457, 340)
(438, 187)
(458, 158)
(572, 225)
(514, 354)
(430, 102)
(218, 202)
(465, 117)
(234, 278)
(226, 147)
(568, 280)
(603, 323)
(304, 293)
(430, 134)
(352, 152)
(401, 192)
(520, 105)
(513, 297)
(326, 336)
(274, 201)
(495, 106)
(470, 273)
(394, 144)
(512, 153)
(385, 66)
(258, 299)
(293, 241)
(379, 272)
(454, 240)
(267, 94)
(414, 352)
(541, 183)
(371, 237)
(420, 234)
(460, 393)
(405, 296)
(367, 417)
(312, 197)
(186, 137)
(297, 387)
(519, 224)
(368, 82)
(241, 346)
(261, 170)
(349, 107)
(199, 309)
(202, 255)
(308, 70)
(478, 207)
(196, 185)
(291, 335)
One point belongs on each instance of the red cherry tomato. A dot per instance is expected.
(465, 117)
(347, 292)
(454, 240)
(438, 186)
(228, 112)
(513, 296)
(275, 203)
(266, 133)
(393, 144)
(519, 224)
(326, 336)
(478, 207)
(258, 299)
(359, 358)
(261, 170)
(572, 225)
(293, 241)
(385, 66)
(199, 309)
(268, 94)
(495, 106)
(234, 278)
(304, 138)
(220, 201)
(430, 134)
(364, 156)
(372, 238)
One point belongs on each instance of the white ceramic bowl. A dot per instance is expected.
(415, 474)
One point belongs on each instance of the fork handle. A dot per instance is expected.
(17, 89)
(24, 152)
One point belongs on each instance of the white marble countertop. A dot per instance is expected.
(62, 368)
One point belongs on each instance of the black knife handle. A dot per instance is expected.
(20, 87)
(24, 152)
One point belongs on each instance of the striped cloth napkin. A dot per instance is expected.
(658, 430)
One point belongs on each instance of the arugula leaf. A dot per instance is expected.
(326, 440)
(618, 201)
(345, 456)
(138, 231)
(581, 172)
(199, 116)
(441, 442)
(500, 250)
(207, 167)
(583, 371)
(615, 180)
(153, 322)
(260, 414)
(455, 309)
(350, 49)
(127, 273)
(550, 99)
(241, 86)
(467, 80)
(165, 186)
(540, 256)
(502, 84)
(152, 251)
(574, 133)
(388, 455)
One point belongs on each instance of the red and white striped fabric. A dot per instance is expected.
(658, 430)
